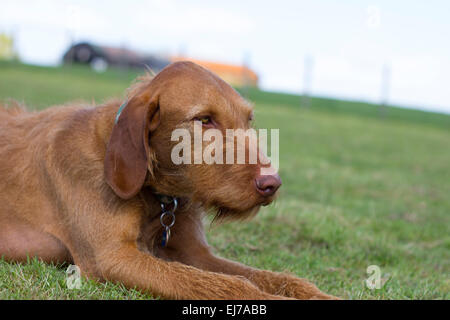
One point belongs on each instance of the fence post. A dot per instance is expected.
(307, 79)
(385, 86)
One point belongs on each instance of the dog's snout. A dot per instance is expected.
(267, 185)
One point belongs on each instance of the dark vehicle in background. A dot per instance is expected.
(102, 57)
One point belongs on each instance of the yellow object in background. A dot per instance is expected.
(7, 47)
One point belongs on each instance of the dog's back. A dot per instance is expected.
(28, 189)
(25, 139)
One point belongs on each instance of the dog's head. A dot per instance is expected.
(144, 141)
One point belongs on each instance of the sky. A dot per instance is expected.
(397, 51)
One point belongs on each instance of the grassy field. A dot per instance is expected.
(358, 190)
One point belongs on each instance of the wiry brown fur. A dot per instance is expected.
(66, 192)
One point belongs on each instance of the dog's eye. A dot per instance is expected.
(204, 120)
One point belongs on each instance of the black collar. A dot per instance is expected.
(165, 199)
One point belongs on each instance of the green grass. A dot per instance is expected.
(358, 190)
(36, 280)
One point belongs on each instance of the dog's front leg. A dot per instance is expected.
(271, 282)
(189, 246)
(172, 280)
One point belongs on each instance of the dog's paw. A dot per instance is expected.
(302, 289)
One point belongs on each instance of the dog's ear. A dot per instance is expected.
(127, 152)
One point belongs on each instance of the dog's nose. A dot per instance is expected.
(267, 185)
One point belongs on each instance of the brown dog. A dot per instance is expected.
(77, 187)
